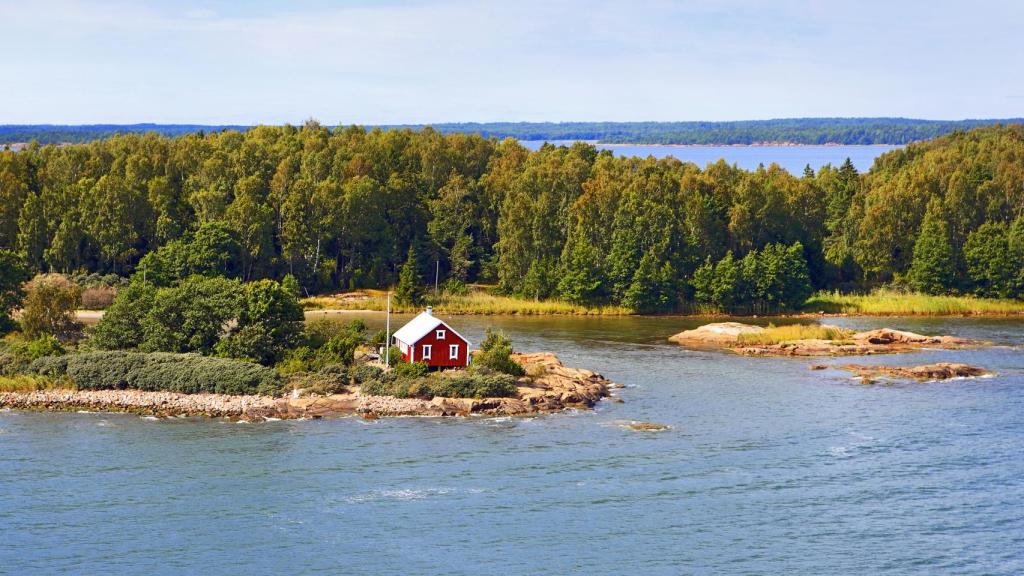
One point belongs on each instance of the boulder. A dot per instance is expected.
(717, 334)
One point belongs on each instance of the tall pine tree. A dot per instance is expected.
(933, 268)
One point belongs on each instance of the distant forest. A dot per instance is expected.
(348, 208)
(791, 131)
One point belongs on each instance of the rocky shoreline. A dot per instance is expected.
(549, 387)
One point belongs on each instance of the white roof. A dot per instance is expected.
(420, 326)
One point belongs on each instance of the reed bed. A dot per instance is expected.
(790, 332)
(474, 302)
(894, 303)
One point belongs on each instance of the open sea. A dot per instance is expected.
(767, 468)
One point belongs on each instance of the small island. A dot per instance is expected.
(810, 340)
(216, 347)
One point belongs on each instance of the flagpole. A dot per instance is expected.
(387, 335)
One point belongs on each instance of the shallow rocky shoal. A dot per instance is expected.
(937, 371)
(549, 386)
(879, 341)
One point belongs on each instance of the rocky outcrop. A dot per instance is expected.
(880, 341)
(716, 334)
(890, 337)
(939, 371)
(549, 386)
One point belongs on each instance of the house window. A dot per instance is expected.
(453, 352)
(440, 334)
(426, 351)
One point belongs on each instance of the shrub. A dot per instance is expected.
(474, 386)
(496, 354)
(98, 297)
(45, 345)
(158, 371)
(366, 372)
(52, 366)
(50, 304)
(319, 382)
(405, 370)
(462, 385)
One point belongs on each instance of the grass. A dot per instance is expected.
(477, 301)
(778, 334)
(32, 383)
(893, 303)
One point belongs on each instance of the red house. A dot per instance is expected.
(429, 340)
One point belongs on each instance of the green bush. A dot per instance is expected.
(160, 371)
(462, 385)
(408, 371)
(366, 372)
(323, 382)
(496, 354)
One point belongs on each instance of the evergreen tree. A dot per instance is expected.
(410, 283)
(989, 264)
(932, 269)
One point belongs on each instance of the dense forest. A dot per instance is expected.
(348, 208)
(791, 130)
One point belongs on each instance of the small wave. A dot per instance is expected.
(406, 494)
(271, 419)
(149, 418)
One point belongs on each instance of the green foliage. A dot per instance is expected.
(291, 284)
(192, 316)
(330, 209)
(185, 373)
(461, 385)
(44, 345)
(121, 325)
(496, 354)
(49, 307)
(363, 373)
(769, 280)
(410, 283)
(13, 275)
(932, 270)
(407, 370)
(991, 267)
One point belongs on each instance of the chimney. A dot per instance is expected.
(430, 310)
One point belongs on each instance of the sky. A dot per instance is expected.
(430, 61)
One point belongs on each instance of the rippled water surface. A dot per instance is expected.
(792, 158)
(768, 468)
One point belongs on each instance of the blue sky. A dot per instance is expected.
(521, 60)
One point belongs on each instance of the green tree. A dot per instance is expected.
(13, 275)
(192, 316)
(33, 237)
(932, 270)
(122, 324)
(49, 307)
(991, 267)
(496, 354)
(410, 283)
(269, 323)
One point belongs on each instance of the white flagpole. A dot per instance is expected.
(387, 335)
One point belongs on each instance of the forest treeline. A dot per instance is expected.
(347, 208)
(789, 130)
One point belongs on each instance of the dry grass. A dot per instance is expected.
(893, 303)
(477, 301)
(779, 334)
(32, 383)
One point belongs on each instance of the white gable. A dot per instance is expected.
(420, 326)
